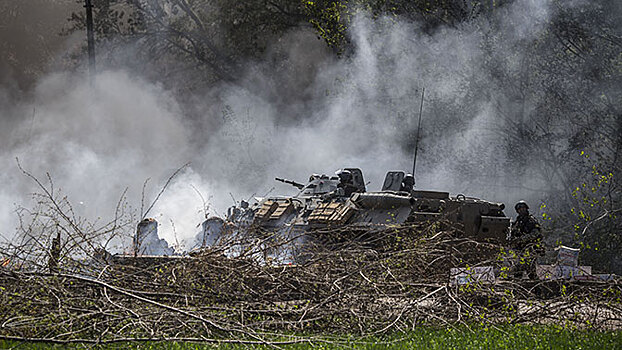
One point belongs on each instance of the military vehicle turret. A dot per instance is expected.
(342, 199)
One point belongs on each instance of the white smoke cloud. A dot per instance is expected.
(307, 113)
(95, 141)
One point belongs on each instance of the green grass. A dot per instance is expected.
(507, 337)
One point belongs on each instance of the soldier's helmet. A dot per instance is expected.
(409, 180)
(521, 204)
(345, 176)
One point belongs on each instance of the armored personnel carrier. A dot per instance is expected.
(329, 202)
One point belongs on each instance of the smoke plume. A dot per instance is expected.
(300, 111)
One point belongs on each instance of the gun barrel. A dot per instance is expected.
(293, 183)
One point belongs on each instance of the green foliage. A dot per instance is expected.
(477, 337)
(213, 35)
(596, 210)
(332, 19)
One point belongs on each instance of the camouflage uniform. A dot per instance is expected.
(345, 183)
(526, 239)
(525, 232)
(348, 189)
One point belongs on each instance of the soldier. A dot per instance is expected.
(525, 236)
(233, 213)
(526, 228)
(408, 182)
(346, 183)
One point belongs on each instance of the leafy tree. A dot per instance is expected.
(561, 101)
(332, 19)
(29, 43)
(212, 37)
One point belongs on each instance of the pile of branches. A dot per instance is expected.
(58, 284)
(390, 279)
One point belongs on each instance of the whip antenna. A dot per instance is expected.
(90, 38)
(418, 128)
